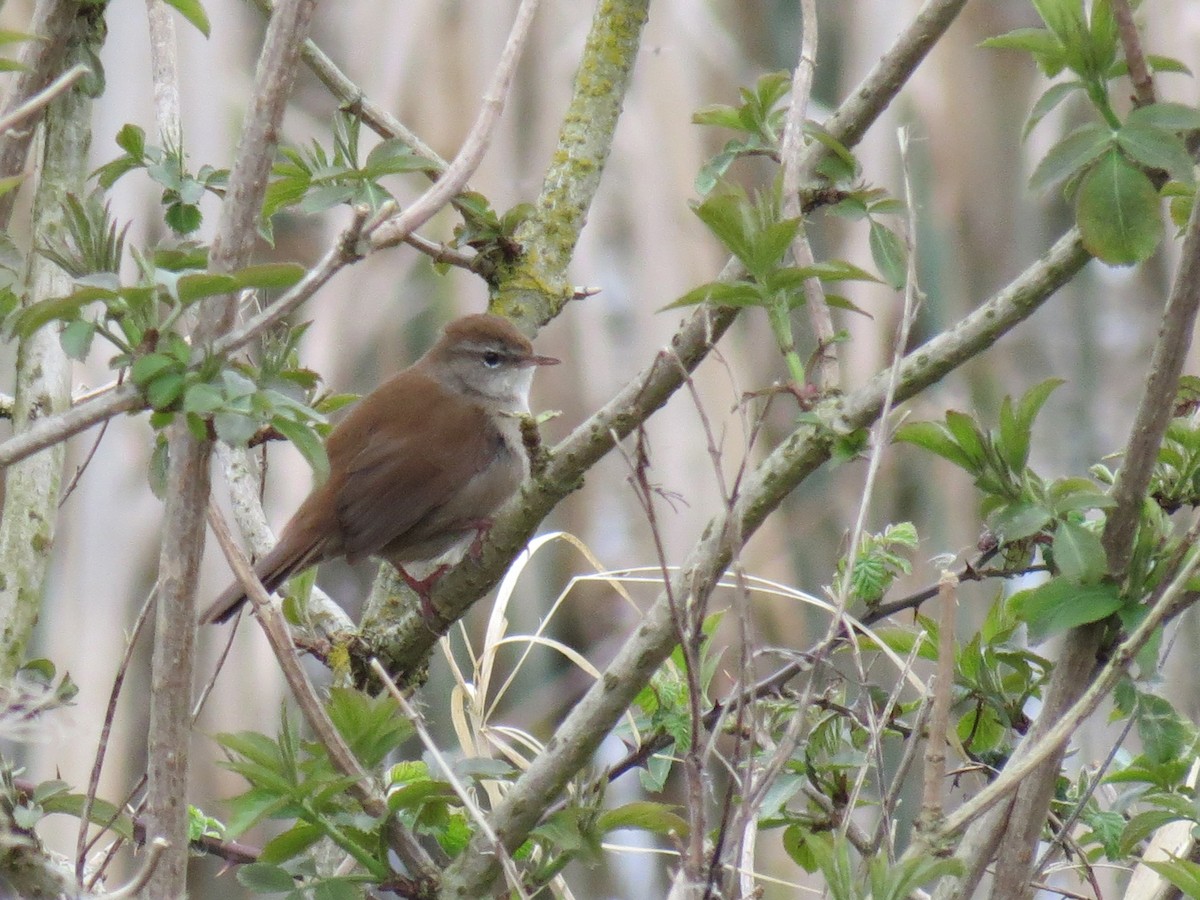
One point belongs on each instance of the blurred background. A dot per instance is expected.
(428, 61)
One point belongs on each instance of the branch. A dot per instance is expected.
(1135, 57)
(352, 96)
(939, 718)
(40, 60)
(798, 456)
(43, 379)
(827, 374)
(188, 471)
(53, 429)
(1052, 742)
(873, 94)
(42, 99)
(537, 290)
(478, 139)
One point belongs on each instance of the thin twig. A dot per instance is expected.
(110, 712)
(826, 376)
(42, 99)
(939, 719)
(1135, 57)
(134, 887)
(351, 96)
(475, 145)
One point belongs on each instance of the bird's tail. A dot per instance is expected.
(287, 558)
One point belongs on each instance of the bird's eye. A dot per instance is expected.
(491, 359)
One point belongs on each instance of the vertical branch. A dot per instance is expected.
(1139, 72)
(188, 474)
(41, 60)
(43, 376)
(538, 289)
(827, 374)
(939, 719)
(164, 73)
(173, 658)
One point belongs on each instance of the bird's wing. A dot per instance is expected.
(404, 460)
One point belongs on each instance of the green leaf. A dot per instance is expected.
(726, 217)
(1157, 62)
(102, 813)
(148, 367)
(1156, 148)
(936, 439)
(264, 878)
(307, 442)
(183, 218)
(34, 316)
(1164, 733)
(1019, 519)
(1078, 553)
(269, 276)
(1064, 18)
(192, 287)
(76, 338)
(202, 399)
(968, 436)
(1168, 116)
(721, 293)
(645, 815)
(1117, 211)
(1046, 49)
(392, 157)
(1034, 399)
(770, 245)
(719, 115)
(1051, 97)
(194, 13)
(1059, 605)
(132, 140)
(371, 726)
(1183, 873)
(889, 254)
(291, 843)
(1079, 148)
(234, 428)
(164, 390)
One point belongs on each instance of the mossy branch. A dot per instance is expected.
(536, 290)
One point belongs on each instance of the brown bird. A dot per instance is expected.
(419, 465)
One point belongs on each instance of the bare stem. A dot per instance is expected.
(475, 145)
(1135, 57)
(939, 719)
(827, 374)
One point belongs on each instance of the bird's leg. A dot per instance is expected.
(482, 527)
(423, 587)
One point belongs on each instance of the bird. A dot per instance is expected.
(418, 466)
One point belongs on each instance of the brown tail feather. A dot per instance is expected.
(272, 570)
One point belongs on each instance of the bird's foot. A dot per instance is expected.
(423, 587)
(482, 527)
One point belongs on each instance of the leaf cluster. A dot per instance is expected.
(182, 190)
(314, 179)
(878, 562)
(1112, 169)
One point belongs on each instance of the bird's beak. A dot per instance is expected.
(540, 361)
